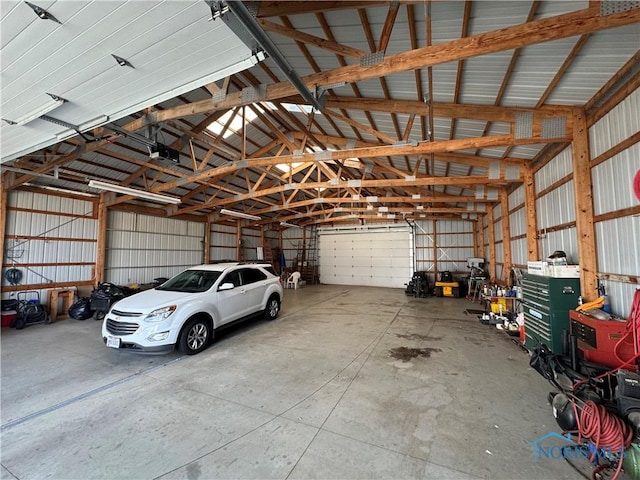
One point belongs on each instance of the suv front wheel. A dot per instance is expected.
(196, 335)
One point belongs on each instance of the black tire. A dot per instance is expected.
(195, 336)
(439, 292)
(100, 314)
(20, 323)
(273, 308)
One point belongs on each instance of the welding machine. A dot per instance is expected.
(600, 341)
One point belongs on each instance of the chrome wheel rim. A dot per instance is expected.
(197, 336)
(273, 308)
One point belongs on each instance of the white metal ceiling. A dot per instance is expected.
(173, 47)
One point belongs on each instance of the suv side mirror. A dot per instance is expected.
(226, 286)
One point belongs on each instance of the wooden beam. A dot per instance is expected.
(446, 110)
(421, 148)
(583, 191)
(539, 31)
(492, 244)
(530, 213)
(278, 8)
(506, 236)
(387, 28)
(319, 42)
(101, 247)
(3, 214)
(382, 136)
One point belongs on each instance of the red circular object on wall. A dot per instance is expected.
(636, 184)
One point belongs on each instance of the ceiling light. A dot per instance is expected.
(111, 187)
(234, 213)
(41, 110)
(286, 224)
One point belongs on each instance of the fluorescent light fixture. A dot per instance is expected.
(286, 224)
(111, 187)
(52, 104)
(234, 213)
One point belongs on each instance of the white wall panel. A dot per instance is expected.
(556, 207)
(518, 223)
(565, 240)
(620, 297)
(613, 179)
(618, 244)
(516, 198)
(58, 230)
(560, 167)
(519, 251)
(143, 247)
(619, 124)
(497, 230)
(223, 242)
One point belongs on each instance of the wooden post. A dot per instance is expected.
(492, 245)
(434, 224)
(3, 217)
(207, 240)
(480, 236)
(506, 235)
(530, 213)
(583, 192)
(238, 241)
(101, 244)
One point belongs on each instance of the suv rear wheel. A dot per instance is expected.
(195, 336)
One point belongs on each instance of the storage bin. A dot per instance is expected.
(495, 307)
(8, 316)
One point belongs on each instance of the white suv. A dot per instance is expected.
(186, 310)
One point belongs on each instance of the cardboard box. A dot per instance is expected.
(564, 271)
(537, 268)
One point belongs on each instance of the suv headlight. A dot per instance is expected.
(160, 314)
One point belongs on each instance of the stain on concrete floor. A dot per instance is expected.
(406, 354)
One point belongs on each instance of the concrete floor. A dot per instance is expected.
(315, 394)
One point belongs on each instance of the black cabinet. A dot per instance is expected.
(546, 305)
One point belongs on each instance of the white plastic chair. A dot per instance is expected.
(293, 280)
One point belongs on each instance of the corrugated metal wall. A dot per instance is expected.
(617, 239)
(292, 242)
(251, 240)
(142, 247)
(444, 245)
(556, 208)
(518, 227)
(222, 242)
(51, 239)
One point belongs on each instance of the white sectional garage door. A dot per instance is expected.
(379, 257)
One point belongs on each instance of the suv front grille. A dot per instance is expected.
(120, 313)
(121, 328)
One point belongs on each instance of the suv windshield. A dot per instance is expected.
(191, 281)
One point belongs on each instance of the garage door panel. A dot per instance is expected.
(372, 257)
